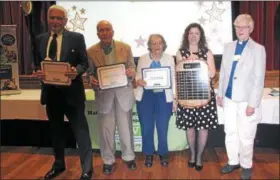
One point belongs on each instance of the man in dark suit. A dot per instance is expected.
(64, 46)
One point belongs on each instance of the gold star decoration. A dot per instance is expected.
(78, 22)
(83, 11)
(215, 13)
(74, 8)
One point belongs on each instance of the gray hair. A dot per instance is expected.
(58, 7)
(105, 22)
(162, 39)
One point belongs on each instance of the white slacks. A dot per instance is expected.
(240, 132)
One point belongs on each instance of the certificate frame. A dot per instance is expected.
(157, 78)
(55, 73)
(112, 76)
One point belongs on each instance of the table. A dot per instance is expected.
(27, 106)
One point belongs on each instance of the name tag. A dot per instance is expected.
(157, 90)
(236, 58)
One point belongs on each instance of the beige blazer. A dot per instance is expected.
(248, 80)
(124, 95)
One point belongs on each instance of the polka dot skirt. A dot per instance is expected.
(204, 117)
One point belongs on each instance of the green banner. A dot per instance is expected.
(176, 138)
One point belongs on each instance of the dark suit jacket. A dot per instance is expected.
(73, 50)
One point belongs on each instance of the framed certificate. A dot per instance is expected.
(112, 76)
(55, 73)
(157, 78)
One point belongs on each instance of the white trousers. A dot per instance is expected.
(240, 132)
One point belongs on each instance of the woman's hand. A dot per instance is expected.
(141, 82)
(220, 101)
(174, 108)
(192, 57)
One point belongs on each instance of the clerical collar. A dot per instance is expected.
(242, 42)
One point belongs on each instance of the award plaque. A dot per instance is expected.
(192, 83)
(112, 76)
(157, 78)
(55, 73)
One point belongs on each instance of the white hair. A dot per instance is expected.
(245, 18)
(58, 7)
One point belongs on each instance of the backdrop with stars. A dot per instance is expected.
(134, 21)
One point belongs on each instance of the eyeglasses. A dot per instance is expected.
(57, 17)
(156, 43)
(241, 27)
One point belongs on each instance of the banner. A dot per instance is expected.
(8, 60)
(176, 138)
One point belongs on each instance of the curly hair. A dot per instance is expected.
(149, 43)
(202, 44)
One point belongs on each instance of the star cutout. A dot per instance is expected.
(83, 11)
(74, 8)
(68, 28)
(200, 3)
(215, 13)
(78, 22)
(140, 41)
(202, 20)
(214, 30)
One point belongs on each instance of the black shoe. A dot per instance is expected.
(246, 173)
(198, 167)
(108, 168)
(149, 161)
(54, 172)
(191, 164)
(131, 165)
(163, 160)
(86, 176)
(229, 168)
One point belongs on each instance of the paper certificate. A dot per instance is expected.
(157, 78)
(112, 76)
(55, 73)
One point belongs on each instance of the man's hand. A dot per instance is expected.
(220, 101)
(250, 111)
(130, 72)
(140, 82)
(39, 74)
(94, 81)
(72, 73)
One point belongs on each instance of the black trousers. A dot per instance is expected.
(57, 107)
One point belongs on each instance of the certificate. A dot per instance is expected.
(55, 73)
(112, 76)
(157, 78)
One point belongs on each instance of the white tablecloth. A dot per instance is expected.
(27, 106)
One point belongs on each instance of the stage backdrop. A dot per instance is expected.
(134, 21)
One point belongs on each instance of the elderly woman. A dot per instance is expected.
(154, 106)
(200, 119)
(241, 84)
